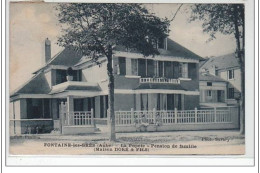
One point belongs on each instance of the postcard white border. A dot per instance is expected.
(247, 159)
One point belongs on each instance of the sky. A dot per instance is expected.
(31, 23)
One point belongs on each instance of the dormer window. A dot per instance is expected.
(162, 43)
(158, 44)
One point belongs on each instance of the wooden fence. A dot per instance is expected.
(202, 116)
(76, 118)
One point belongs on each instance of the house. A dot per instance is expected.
(225, 68)
(69, 93)
(213, 90)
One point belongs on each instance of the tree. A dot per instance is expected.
(95, 29)
(227, 19)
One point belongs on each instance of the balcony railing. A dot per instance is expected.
(159, 80)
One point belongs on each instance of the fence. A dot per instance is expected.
(79, 118)
(76, 118)
(202, 116)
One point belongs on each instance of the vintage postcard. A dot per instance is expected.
(127, 79)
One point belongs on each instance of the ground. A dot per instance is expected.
(166, 143)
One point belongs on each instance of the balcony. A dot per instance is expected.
(160, 80)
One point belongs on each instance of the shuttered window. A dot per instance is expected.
(141, 67)
(168, 66)
(122, 66)
(134, 67)
(192, 72)
(150, 68)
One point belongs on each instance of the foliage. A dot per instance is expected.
(90, 28)
(219, 18)
(226, 19)
(95, 29)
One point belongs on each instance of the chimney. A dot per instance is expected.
(47, 50)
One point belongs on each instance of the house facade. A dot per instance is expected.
(164, 82)
(213, 90)
(220, 81)
(69, 93)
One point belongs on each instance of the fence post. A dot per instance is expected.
(92, 117)
(69, 118)
(230, 115)
(215, 114)
(196, 115)
(108, 117)
(154, 115)
(176, 115)
(132, 116)
(61, 116)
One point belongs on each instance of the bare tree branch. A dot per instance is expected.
(176, 12)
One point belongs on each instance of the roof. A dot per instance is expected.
(202, 62)
(36, 85)
(159, 86)
(173, 49)
(67, 57)
(76, 88)
(222, 62)
(210, 77)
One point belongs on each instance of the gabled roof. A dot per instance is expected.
(210, 77)
(36, 85)
(173, 49)
(222, 62)
(69, 58)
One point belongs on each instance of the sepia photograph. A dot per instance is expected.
(127, 79)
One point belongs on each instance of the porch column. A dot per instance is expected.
(70, 109)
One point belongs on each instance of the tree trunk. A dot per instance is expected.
(111, 112)
(240, 56)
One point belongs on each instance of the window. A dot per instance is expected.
(168, 69)
(134, 67)
(231, 74)
(78, 104)
(160, 69)
(175, 70)
(122, 66)
(209, 83)
(150, 68)
(183, 70)
(38, 108)
(61, 76)
(161, 43)
(141, 67)
(209, 93)
(192, 71)
(230, 93)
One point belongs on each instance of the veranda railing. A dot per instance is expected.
(76, 118)
(79, 118)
